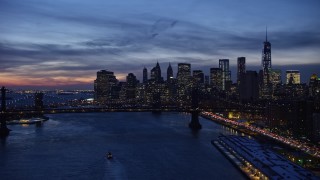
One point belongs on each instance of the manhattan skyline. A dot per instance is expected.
(62, 44)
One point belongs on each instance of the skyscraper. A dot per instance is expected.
(184, 81)
(266, 61)
(184, 72)
(293, 77)
(216, 78)
(156, 73)
(104, 85)
(275, 77)
(198, 76)
(266, 84)
(241, 64)
(169, 73)
(131, 86)
(145, 75)
(226, 73)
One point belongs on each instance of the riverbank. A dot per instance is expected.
(301, 146)
(283, 146)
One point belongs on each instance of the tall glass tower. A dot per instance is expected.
(104, 85)
(216, 78)
(145, 75)
(226, 73)
(156, 73)
(169, 73)
(241, 71)
(184, 72)
(184, 80)
(266, 73)
(266, 61)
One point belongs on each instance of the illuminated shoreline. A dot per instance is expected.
(313, 151)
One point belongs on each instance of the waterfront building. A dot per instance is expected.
(141, 94)
(184, 83)
(216, 78)
(241, 68)
(156, 74)
(225, 73)
(131, 85)
(169, 73)
(145, 75)
(104, 86)
(122, 93)
(170, 88)
(155, 87)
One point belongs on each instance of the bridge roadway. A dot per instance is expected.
(87, 110)
(103, 109)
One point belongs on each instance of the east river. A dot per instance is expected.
(144, 146)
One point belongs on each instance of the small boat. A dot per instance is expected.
(109, 155)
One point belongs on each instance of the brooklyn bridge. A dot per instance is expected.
(17, 106)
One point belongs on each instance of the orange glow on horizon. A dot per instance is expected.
(37, 79)
(120, 76)
(10, 80)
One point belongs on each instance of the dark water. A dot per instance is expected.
(144, 145)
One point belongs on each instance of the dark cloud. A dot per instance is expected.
(296, 39)
(28, 54)
(128, 42)
(161, 25)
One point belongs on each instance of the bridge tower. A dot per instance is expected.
(38, 101)
(4, 131)
(195, 124)
(156, 103)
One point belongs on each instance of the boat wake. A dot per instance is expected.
(114, 169)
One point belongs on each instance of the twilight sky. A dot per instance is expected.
(63, 43)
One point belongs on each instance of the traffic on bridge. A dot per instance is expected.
(312, 150)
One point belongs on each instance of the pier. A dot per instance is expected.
(256, 161)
